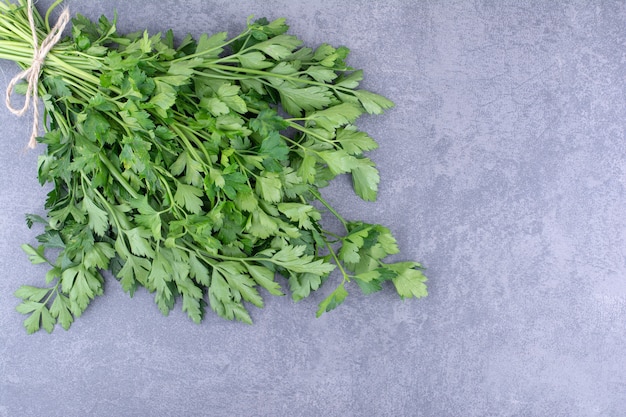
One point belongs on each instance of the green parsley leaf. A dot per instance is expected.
(335, 116)
(373, 103)
(333, 300)
(302, 284)
(212, 46)
(254, 60)
(279, 47)
(265, 278)
(296, 100)
(365, 179)
(410, 280)
(98, 219)
(189, 197)
(269, 187)
(36, 256)
(27, 292)
(134, 273)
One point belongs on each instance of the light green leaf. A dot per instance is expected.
(221, 301)
(246, 201)
(67, 278)
(28, 306)
(365, 179)
(386, 240)
(293, 259)
(244, 286)
(261, 225)
(98, 218)
(47, 321)
(323, 51)
(321, 74)
(304, 214)
(165, 96)
(289, 253)
(296, 99)
(333, 300)
(410, 280)
(85, 287)
(307, 170)
(211, 46)
(368, 287)
(36, 256)
(335, 116)
(33, 322)
(139, 239)
(188, 196)
(265, 278)
(148, 217)
(284, 68)
(269, 187)
(351, 81)
(135, 271)
(198, 270)
(254, 60)
(193, 169)
(275, 147)
(158, 278)
(372, 102)
(98, 256)
(338, 161)
(184, 67)
(192, 301)
(352, 244)
(354, 141)
(214, 105)
(279, 47)
(301, 285)
(229, 94)
(27, 292)
(60, 310)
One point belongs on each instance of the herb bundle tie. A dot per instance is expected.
(31, 74)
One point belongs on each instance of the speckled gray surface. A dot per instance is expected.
(503, 169)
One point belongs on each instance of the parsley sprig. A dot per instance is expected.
(194, 170)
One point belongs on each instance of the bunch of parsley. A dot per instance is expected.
(194, 170)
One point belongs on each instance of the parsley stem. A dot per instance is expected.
(267, 74)
(346, 276)
(210, 50)
(50, 9)
(178, 128)
(118, 176)
(309, 132)
(329, 233)
(318, 196)
(79, 73)
(52, 290)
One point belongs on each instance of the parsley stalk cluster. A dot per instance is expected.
(194, 170)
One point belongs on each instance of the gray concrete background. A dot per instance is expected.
(503, 169)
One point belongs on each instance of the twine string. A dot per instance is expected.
(31, 74)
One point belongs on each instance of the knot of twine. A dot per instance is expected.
(31, 74)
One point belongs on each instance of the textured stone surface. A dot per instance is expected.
(503, 169)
